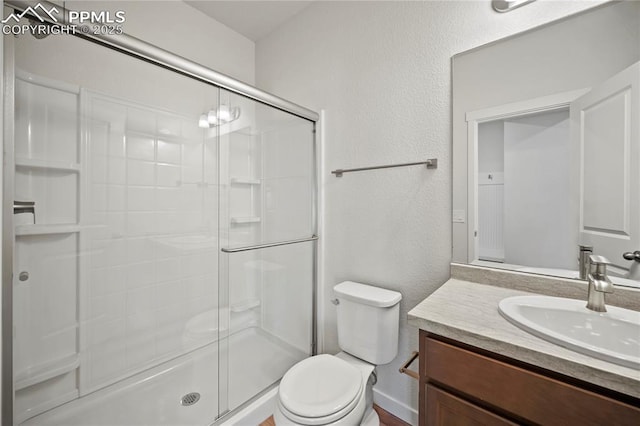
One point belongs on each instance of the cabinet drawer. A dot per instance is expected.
(445, 409)
(527, 395)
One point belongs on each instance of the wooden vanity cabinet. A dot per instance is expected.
(461, 385)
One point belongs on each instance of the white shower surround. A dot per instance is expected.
(201, 39)
(280, 180)
(153, 396)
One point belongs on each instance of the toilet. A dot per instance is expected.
(338, 389)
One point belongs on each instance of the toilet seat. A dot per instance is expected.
(320, 390)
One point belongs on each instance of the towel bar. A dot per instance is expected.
(405, 367)
(431, 163)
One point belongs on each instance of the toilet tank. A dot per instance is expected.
(368, 321)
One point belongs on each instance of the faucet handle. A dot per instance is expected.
(599, 265)
(596, 259)
(599, 271)
(632, 256)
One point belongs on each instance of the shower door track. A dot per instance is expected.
(166, 59)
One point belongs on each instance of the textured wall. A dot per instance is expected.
(179, 28)
(381, 71)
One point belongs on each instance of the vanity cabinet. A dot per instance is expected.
(462, 385)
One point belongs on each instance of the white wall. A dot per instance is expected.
(538, 229)
(491, 146)
(490, 178)
(179, 28)
(382, 72)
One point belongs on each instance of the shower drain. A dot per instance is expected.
(190, 399)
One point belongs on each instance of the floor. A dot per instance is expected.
(386, 419)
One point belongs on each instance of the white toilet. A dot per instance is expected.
(338, 389)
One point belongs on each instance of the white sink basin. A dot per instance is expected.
(613, 336)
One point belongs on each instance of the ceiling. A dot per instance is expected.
(253, 19)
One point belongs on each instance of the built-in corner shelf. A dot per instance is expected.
(244, 220)
(44, 229)
(245, 181)
(31, 163)
(46, 371)
(245, 305)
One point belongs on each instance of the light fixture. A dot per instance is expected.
(203, 121)
(221, 115)
(508, 5)
(224, 114)
(212, 118)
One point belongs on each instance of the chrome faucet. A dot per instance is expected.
(599, 283)
(583, 261)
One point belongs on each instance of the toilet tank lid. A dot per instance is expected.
(367, 294)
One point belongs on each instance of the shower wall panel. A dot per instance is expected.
(152, 236)
(46, 264)
(122, 252)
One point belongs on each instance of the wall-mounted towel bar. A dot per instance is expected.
(431, 163)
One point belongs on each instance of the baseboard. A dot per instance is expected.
(395, 407)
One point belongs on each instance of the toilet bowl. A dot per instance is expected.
(326, 390)
(338, 389)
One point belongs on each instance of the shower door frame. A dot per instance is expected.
(8, 237)
(150, 53)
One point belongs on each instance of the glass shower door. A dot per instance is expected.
(267, 179)
(116, 238)
(164, 250)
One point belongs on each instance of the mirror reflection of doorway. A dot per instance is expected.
(556, 172)
(522, 170)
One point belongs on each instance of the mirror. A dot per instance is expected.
(546, 146)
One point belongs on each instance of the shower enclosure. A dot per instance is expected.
(159, 236)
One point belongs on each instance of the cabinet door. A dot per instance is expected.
(445, 409)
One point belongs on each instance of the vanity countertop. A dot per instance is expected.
(468, 312)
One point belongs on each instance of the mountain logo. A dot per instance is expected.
(39, 11)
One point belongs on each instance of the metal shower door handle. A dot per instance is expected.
(24, 207)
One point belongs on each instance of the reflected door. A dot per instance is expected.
(606, 140)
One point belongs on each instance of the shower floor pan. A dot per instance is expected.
(155, 397)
